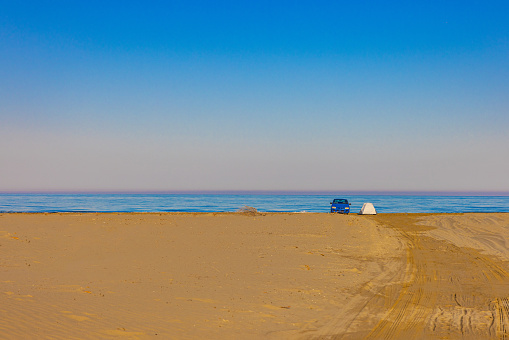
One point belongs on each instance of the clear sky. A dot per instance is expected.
(261, 95)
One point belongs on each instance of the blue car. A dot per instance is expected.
(340, 205)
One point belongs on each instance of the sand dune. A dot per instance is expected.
(231, 276)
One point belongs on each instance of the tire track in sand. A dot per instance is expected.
(455, 292)
(414, 303)
(445, 292)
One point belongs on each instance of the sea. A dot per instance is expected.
(231, 202)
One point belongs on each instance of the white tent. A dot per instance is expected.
(367, 209)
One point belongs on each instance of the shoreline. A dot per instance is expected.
(258, 213)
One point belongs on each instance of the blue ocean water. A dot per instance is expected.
(232, 202)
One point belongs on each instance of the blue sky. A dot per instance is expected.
(224, 95)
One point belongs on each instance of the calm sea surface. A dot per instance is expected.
(232, 202)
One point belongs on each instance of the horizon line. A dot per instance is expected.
(263, 192)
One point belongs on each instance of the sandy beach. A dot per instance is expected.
(254, 276)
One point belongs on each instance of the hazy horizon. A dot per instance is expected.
(265, 96)
(264, 192)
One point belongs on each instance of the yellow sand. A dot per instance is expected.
(241, 276)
